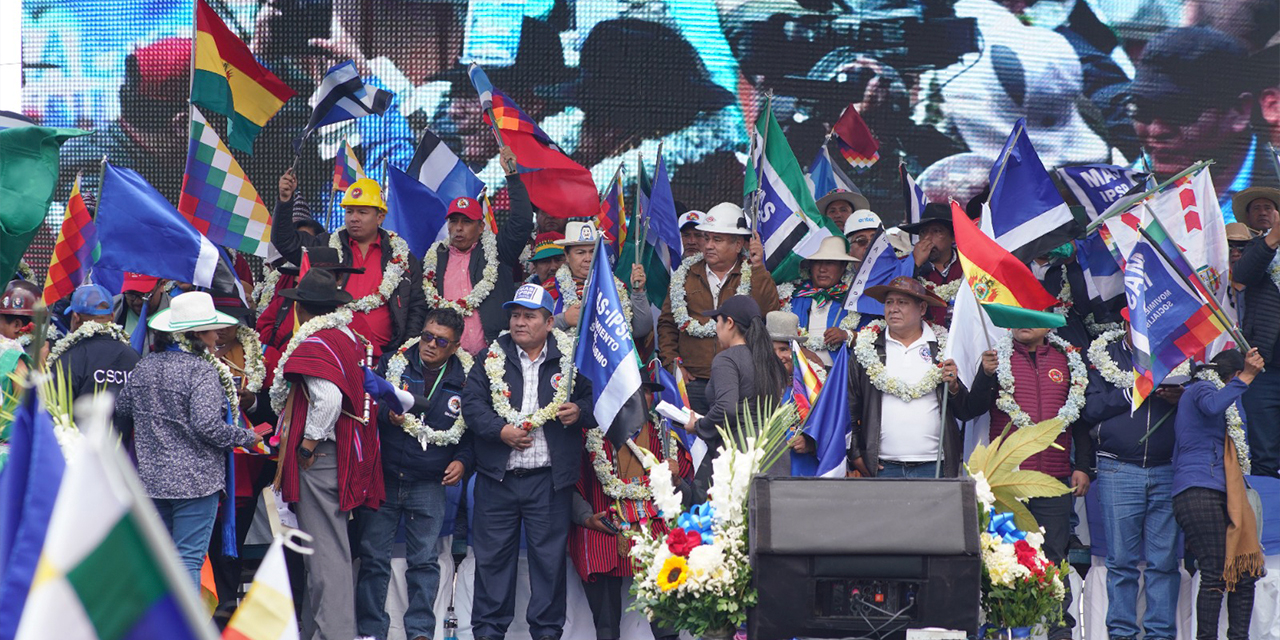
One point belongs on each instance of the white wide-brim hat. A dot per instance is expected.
(191, 311)
(833, 248)
(726, 218)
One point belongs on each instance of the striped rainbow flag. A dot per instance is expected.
(346, 168)
(108, 569)
(805, 384)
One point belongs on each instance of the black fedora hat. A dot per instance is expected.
(934, 212)
(539, 62)
(319, 287)
(322, 258)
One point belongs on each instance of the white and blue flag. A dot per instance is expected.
(141, 232)
(11, 120)
(1029, 218)
(440, 169)
(342, 95)
(912, 195)
(879, 267)
(607, 356)
(828, 425)
(663, 219)
(1098, 186)
(414, 211)
(824, 176)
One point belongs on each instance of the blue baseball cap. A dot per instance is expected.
(91, 300)
(531, 296)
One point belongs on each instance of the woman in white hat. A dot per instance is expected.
(569, 283)
(175, 403)
(819, 300)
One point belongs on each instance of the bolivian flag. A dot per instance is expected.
(229, 80)
(1005, 287)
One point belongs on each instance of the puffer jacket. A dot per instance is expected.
(1040, 389)
(1253, 270)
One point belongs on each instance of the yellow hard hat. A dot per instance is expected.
(364, 192)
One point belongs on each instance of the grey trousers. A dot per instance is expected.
(329, 610)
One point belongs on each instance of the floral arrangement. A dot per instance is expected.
(467, 305)
(87, 329)
(680, 306)
(500, 392)
(413, 425)
(265, 290)
(614, 487)
(698, 578)
(1020, 587)
(864, 349)
(392, 274)
(1070, 410)
(1235, 423)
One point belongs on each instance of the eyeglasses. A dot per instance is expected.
(440, 342)
(861, 241)
(1178, 113)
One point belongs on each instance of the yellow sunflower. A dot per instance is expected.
(674, 572)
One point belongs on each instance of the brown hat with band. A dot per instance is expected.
(908, 286)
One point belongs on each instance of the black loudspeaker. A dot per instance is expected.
(868, 558)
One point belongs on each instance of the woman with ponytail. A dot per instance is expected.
(745, 375)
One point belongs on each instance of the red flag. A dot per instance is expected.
(557, 185)
(854, 139)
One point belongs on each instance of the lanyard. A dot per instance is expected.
(436, 385)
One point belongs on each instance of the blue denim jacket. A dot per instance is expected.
(1201, 431)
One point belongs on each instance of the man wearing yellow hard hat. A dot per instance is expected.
(388, 304)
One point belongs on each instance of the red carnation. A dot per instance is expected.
(681, 542)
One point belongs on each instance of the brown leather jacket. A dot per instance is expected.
(696, 353)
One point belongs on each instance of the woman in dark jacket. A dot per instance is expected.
(745, 376)
(176, 407)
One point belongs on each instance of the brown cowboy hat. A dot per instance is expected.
(905, 285)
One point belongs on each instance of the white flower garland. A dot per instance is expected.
(224, 375)
(1070, 410)
(848, 324)
(336, 320)
(864, 349)
(255, 364)
(396, 267)
(1235, 423)
(479, 293)
(1274, 271)
(945, 291)
(613, 486)
(413, 425)
(1096, 328)
(87, 329)
(501, 392)
(785, 291)
(1064, 294)
(569, 291)
(265, 290)
(680, 306)
(1107, 367)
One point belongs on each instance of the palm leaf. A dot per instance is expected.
(978, 459)
(1021, 444)
(1028, 484)
(1021, 517)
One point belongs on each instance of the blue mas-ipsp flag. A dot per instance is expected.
(662, 217)
(828, 424)
(606, 354)
(28, 488)
(880, 266)
(1098, 186)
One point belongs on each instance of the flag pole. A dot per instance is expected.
(638, 215)
(1207, 299)
(1004, 162)
(1123, 204)
(942, 426)
(586, 286)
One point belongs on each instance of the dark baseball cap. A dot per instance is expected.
(741, 309)
(1195, 64)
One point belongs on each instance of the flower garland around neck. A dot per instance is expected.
(500, 392)
(945, 291)
(224, 374)
(1107, 367)
(1064, 294)
(1070, 411)
(569, 291)
(394, 272)
(413, 425)
(1096, 328)
(336, 320)
(255, 364)
(786, 291)
(265, 290)
(614, 487)
(1235, 423)
(479, 293)
(680, 306)
(864, 349)
(86, 330)
(847, 324)
(1274, 271)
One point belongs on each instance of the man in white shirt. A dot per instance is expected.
(528, 454)
(897, 382)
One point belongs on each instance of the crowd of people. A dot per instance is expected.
(361, 377)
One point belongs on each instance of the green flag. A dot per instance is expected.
(28, 176)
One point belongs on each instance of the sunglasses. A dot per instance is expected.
(439, 342)
(861, 241)
(1178, 113)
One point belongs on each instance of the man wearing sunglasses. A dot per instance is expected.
(415, 471)
(1190, 101)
